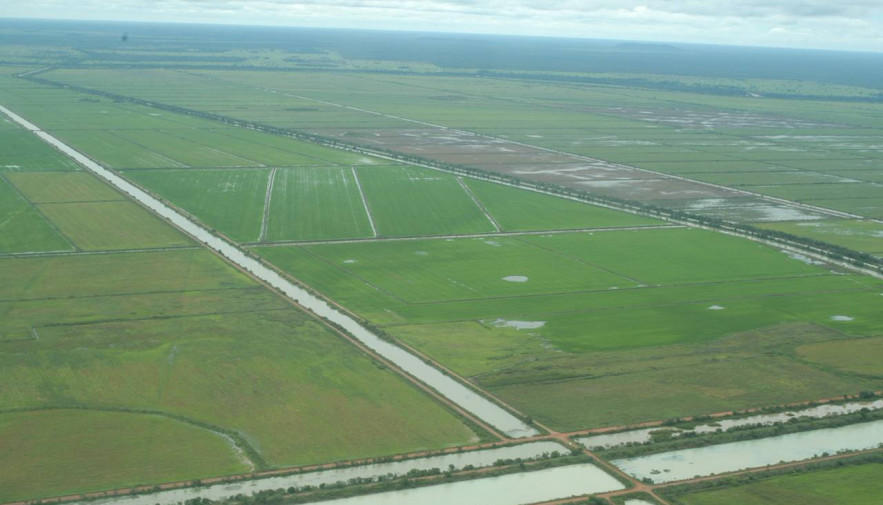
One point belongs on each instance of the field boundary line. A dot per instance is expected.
(412, 238)
(662, 175)
(786, 243)
(256, 164)
(114, 133)
(243, 450)
(74, 248)
(456, 391)
(135, 293)
(361, 279)
(480, 205)
(584, 262)
(38, 254)
(364, 201)
(266, 216)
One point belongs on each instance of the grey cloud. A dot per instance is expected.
(809, 23)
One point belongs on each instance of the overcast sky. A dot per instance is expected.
(825, 24)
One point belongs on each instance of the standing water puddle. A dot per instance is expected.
(453, 390)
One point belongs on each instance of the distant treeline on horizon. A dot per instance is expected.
(463, 51)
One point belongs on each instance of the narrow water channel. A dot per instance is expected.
(644, 435)
(734, 456)
(478, 459)
(464, 397)
(515, 489)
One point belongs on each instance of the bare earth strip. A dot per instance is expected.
(480, 205)
(283, 243)
(266, 217)
(364, 201)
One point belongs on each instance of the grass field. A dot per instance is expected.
(517, 210)
(115, 152)
(681, 316)
(101, 226)
(574, 329)
(22, 228)
(182, 333)
(311, 203)
(22, 151)
(93, 450)
(192, 154)
(40, 187)
(850, 485)
(231, 201)
(787, 148)
(409, 201)
(858, 356)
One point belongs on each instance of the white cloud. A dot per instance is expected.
(847, 24)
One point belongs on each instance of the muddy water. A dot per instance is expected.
(477, 459)
(723, 458)
(515, 489)
(453, 390)
(643, 435)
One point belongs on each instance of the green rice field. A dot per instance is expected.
(22, 227)
(231, 201)
(852, 485)
(110, 449)
(314, 203)
(136, 356)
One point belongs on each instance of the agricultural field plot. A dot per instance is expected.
(678, 256)
(310, 203)
(408, 201)
(570, 328)
(102, 226)
(315, 154)
(149, 332)
(192, 154)
(71, 187)
(516, 210)
(865, 236)
(114, 151)
(868, 207)
(229, 200)
(108, 451)
(285, 154)
(745, 135)
(758, 180)
(23, 152)
(646, 129)
(22, 227)
(853, 485)
(858, 356)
